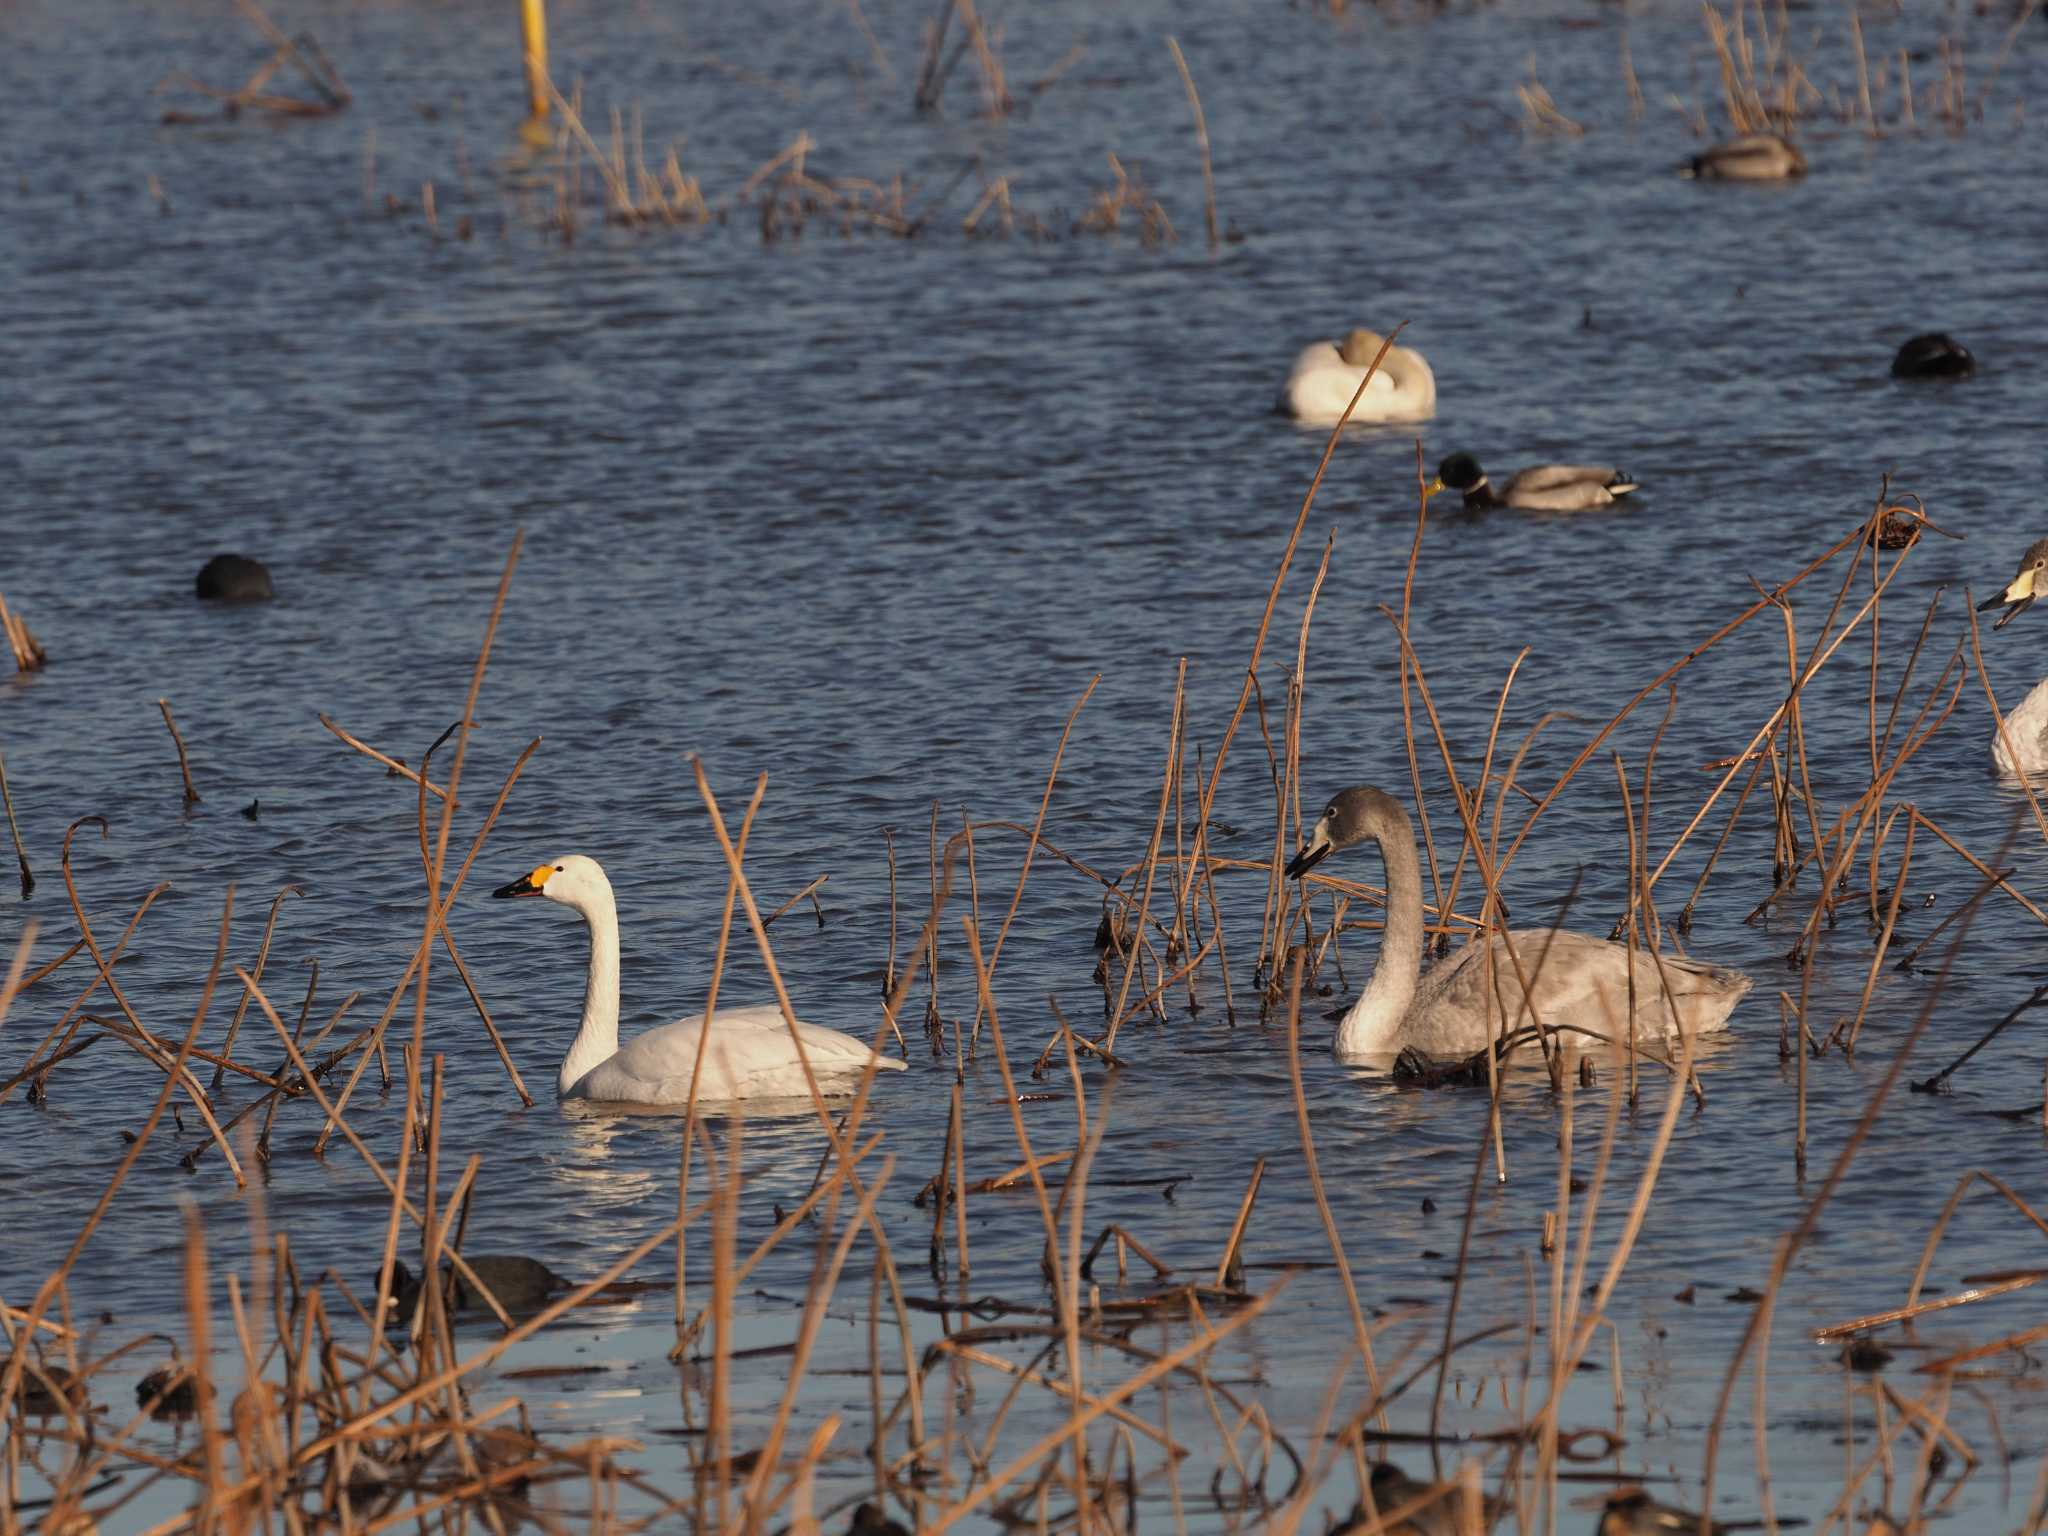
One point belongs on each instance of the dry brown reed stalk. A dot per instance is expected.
(65, 1020)
(28, 880)
(1825, 647)
(1198, 854)
(151, 1048)
(1788, 1246)
(1360, 1334)
(1540, 112)
(697, 1067)
(439, 927)
(1030, 850)
(1151, 862)
(1273, 944)
(28, 654)
(11, 1377)
(227, 1048)
(396, 766)
(1201, 141)
(303, 53)
(1096, 1406)
(1129, 194)
(184, 764)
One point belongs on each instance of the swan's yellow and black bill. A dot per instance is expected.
(2016, 599)
(526, 885)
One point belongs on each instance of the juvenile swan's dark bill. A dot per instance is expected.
(523, 886)
(1313, 852)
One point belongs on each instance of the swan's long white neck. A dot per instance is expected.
(1373, 1019)
(597, 1039)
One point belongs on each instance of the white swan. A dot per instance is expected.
(1539, 488)
(1576, 979)
(1326, 376)
(2027, 725)
(750, 1054)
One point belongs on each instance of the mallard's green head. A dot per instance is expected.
(1460, 472)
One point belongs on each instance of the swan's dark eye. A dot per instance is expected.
(561, 869)
(1330, 810)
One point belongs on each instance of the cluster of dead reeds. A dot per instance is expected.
(310, 1415)
(1773, 77)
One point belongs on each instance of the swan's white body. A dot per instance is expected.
(2027, 725)
(1325, 377)
(750, 1055)
(1575, 979)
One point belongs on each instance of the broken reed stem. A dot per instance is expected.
(1207, 803)
(396, 766)
(227, 1049)
(28, 880)
(1788, 1246)
(1166, 787)
(1274, 945)
(1031, 848)
(732, 891)
(419, 951)
(184, 764)
(1361, 1335)
(10, 1379)
(1202, 141)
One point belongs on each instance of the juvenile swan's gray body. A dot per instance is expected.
(1574, 978)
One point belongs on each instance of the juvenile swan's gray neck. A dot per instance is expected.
(597, 1040)
(1387, 997)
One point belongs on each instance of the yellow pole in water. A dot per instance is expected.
(533, 22)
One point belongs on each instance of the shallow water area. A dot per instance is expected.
(868, 515)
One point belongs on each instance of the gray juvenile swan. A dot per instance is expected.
(1326, 375)
(2027, 725)
(1540, 488)
(1577, 979)
(750, 1056)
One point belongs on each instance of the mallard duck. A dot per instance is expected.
(1326, 376)
(1752, 157)
(2027, 726)
(1541, 488)
(1934, 355)
(1574, 978)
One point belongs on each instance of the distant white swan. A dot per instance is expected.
(2027, 725)
(1577, 979)
(1326, 376)
(750, 1055)
(1539, 488)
